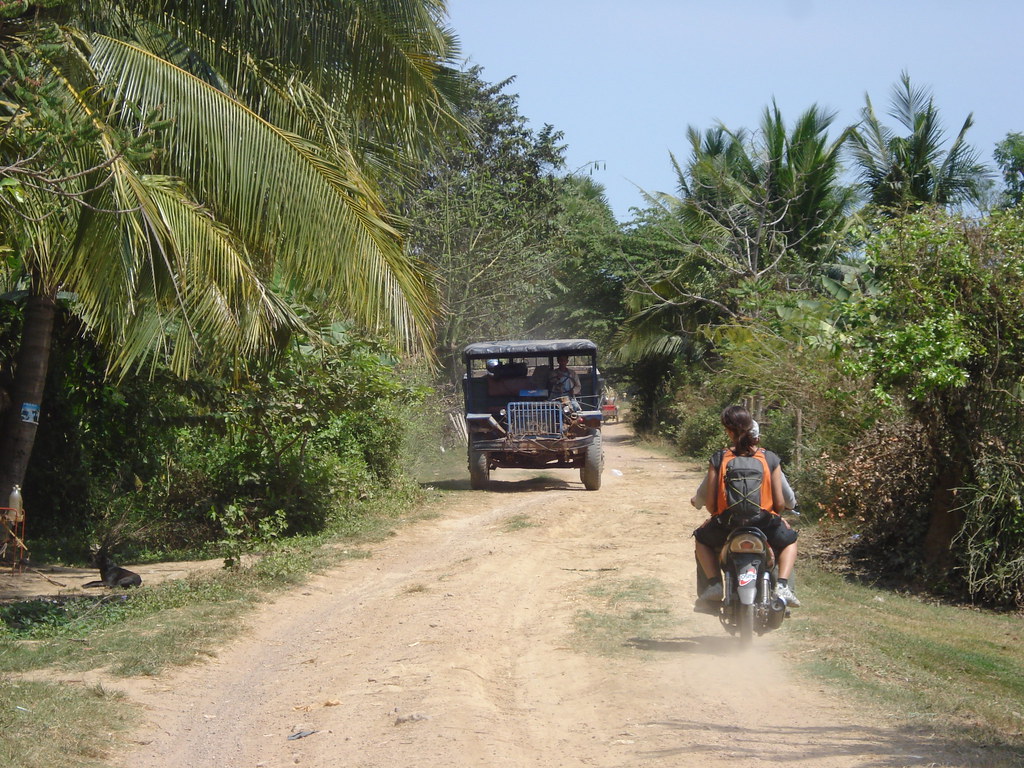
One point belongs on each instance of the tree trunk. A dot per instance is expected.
(19, 433)
(943, 525)
(951, 430)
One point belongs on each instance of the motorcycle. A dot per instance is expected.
(749, 576)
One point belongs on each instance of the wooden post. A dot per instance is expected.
(12, 538)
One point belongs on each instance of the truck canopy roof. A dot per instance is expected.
(524, 348)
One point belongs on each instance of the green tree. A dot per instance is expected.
(662, 318)
(262, 187)
(483, 215)
(766, 202)
(942, 336)
(1009, 155)
(756, 210)
(759, 215)
(585, 293)
(907, 171)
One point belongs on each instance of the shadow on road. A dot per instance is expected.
(712, 646)
(821, 745)
(625, 438)
(531, 485)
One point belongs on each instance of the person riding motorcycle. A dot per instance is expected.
(711, 535)
(700, 498)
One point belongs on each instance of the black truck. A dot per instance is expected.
(515, 419)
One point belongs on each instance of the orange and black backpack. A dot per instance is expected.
(744, 487)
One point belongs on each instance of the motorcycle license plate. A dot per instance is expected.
(746, 576)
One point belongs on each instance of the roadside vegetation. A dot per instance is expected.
(948, 669)
(221, 346)
(92, 641)
(875, 334)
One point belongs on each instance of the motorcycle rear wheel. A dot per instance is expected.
(746, 622)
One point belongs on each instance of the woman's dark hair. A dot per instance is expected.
(737, 420)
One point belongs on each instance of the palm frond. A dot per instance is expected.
(390, 65)
(915, 168)
(196, 287)
(308, 216)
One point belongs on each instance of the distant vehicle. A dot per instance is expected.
(610, 409)
(512, 421)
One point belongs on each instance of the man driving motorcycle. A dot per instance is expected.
(711, 535)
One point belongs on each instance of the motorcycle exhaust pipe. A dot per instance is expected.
(776, 612)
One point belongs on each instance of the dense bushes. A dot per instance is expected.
(876, 498)
(698, 429)
(907, 368)
(161, 464)
(874, 493)
(941, 336)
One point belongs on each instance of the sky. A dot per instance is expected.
(623, 80)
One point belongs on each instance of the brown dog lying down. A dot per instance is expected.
(111, 574)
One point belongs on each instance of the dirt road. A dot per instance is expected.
(499, 633)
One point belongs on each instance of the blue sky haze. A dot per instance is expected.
(623, 80)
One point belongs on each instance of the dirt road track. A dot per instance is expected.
(455, 644)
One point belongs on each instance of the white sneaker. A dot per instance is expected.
(783, 591)
(712, 593)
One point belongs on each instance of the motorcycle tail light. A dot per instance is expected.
(746, 544)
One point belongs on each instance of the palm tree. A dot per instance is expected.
(767, 199)
(901, 171)
(758, 215)
(756, 211)
(206, 154)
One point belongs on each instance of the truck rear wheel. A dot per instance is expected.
(593, 463)
(479, 469)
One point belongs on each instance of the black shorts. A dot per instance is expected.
(713, 533)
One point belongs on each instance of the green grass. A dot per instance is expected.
(46, 725)
(143, 632)
(951, 668)
(517, 523)
(620, 611)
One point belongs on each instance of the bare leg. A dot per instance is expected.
(706, 557)
(787, 559)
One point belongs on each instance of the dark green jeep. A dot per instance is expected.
(525, 410)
